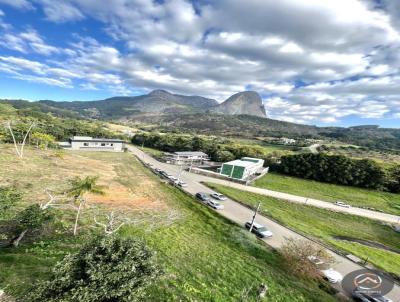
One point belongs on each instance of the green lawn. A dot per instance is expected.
(153, 152)
(326, 225)
(204, 256)
(387, 202)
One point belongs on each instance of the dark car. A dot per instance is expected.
(361, 296)
(202, 197)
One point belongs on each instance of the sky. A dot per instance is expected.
(331, 62)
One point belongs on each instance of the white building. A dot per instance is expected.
(287, 141)
(187, 158)
(242, 168)
(88, 143)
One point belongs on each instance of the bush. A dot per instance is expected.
(337, 169)
(106, 269)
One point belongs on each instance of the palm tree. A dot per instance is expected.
(81, 186)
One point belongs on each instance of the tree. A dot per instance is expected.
(42, 140)
(223, 156)
(30, 219)
(296, 254)
(78, 188)
(106, 269)
(394, 179)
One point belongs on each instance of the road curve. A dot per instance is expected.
(240, 214)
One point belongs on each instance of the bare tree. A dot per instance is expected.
(113, 221)
(51, 202)
(305, 258)
(19, 150)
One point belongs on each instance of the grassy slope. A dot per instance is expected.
(387, 202)
(325, 225)
(205, 257)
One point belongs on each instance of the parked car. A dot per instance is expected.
(215, 205)
(202, 197)
(331, 275)
(317, 261)
(218, 196)
(173, 178)
(180, 183)
(359, 295)
(259, 229)
(342, 204)
(163, 173)
(157, 170)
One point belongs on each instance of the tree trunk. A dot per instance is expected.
(77, 217)
(16, 241)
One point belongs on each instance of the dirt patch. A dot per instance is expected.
(126, 184)
(368, 243)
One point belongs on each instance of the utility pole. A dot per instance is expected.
(180, 173)
(254, 217)
(191, 164)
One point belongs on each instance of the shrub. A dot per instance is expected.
(106, 269)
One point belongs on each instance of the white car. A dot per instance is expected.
(173, 178)
(342, 204)
(215, 205)
(332, 276)
(180, 183)
(218, 196)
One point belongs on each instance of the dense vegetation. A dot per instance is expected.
(220, 150)
(46, 124)
(339, 169)
(370, 136)
(105, 269)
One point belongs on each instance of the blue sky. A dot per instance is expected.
(333, 62)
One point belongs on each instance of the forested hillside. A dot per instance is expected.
(196, 121)
(55, 128)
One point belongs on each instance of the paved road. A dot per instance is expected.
(314, 202)
(240, 214)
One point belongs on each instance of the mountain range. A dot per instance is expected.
(241, 115)
(163, 102)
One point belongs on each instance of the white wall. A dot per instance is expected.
(97, 146)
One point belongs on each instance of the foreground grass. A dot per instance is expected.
(326, 225)
(386, 202)
(205, 257)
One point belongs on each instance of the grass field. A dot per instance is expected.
(387, 202)
(205, 257)
(327, 225)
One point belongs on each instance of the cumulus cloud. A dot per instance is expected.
(27, 41)
(312, 61)
(21, 4)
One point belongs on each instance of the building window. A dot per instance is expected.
(86, 144)
(103, 144)
(111, 145)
